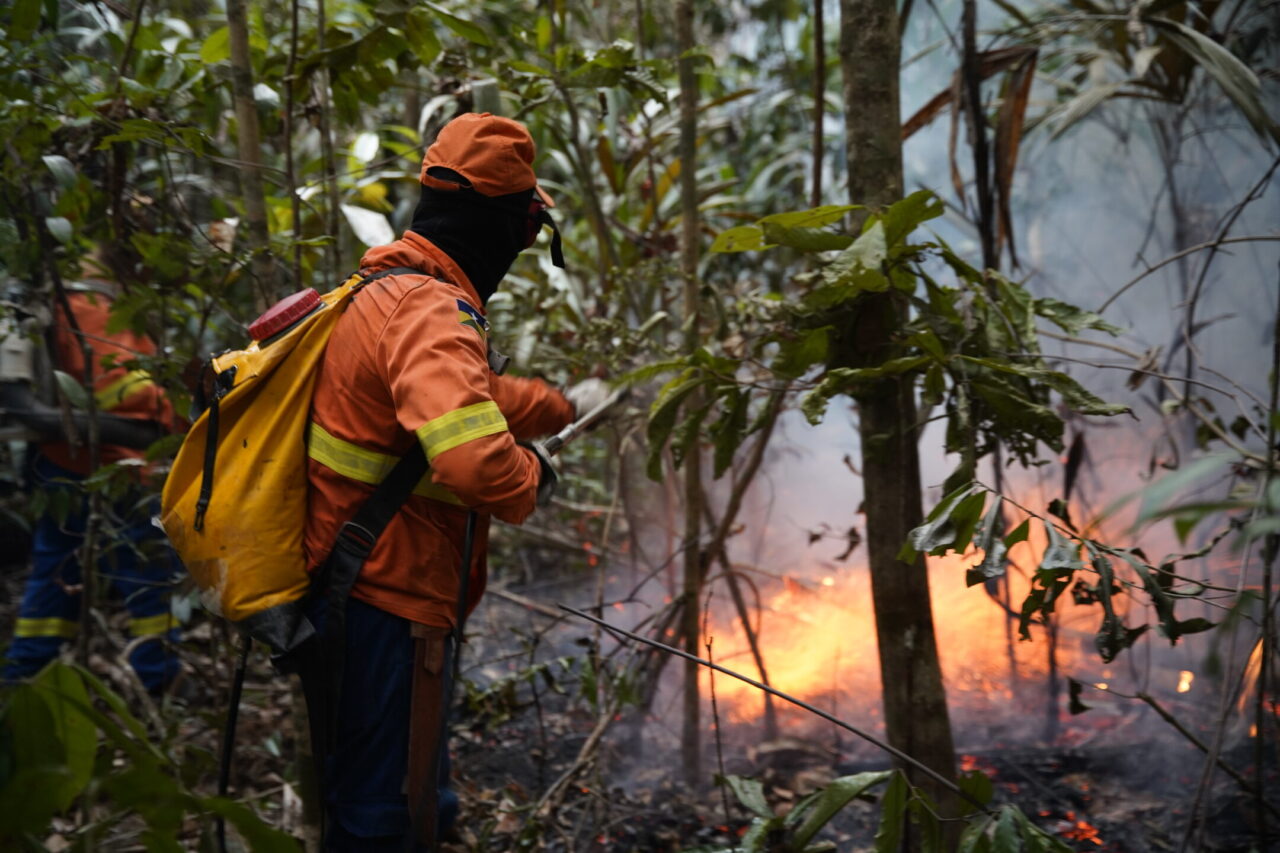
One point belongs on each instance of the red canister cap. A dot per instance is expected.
(284, 314)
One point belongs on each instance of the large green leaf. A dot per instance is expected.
(831, 800)
(893, 813)
(63, 690)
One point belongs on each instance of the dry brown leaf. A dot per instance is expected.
(1013, 113)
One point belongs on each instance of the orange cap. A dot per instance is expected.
(494, 154)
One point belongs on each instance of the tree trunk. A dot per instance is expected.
(690, 739)
(249, 146)
(915, 706)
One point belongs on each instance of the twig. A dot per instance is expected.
(1212, 244)
(529, 603)
(870, 738)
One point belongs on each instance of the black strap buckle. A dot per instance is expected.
(356, 539)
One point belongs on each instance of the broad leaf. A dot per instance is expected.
(833, 798)
(750, 792)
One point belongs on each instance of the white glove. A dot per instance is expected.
(586, 395)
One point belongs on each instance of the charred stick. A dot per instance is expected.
(849, 727)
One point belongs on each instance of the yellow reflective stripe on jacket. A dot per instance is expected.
(367, 466)
(460, 426)
(121, 389)
(147, 626)
(51, 626)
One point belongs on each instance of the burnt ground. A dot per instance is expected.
(532, 703)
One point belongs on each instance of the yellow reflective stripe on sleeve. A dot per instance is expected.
(147, 626)
(48, 627)
(367, 466)
(349, 460)
(123, 388)
(460, 426)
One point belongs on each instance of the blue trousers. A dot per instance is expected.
(140, 567)
(364, 776)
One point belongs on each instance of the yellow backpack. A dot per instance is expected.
(234, 504)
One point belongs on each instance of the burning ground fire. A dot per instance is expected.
(817, 635)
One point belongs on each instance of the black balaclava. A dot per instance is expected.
(482, 234)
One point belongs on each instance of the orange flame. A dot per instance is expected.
(1185, 677)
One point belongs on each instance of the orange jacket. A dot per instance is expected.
(117, 391)
(409, 362)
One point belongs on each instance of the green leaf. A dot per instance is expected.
(938, 528)
(60, 228)
(63, 690)
(750, 792)
(663, 413)
(1019, 533)
(1071, 319)
(974, 839)
(730, 429)
(742, 238)
(814, 217)
(977, 785)
(859, 266)
(72, 389)
(796, 355)
(1006, 838)
(1155, 498)
(23, 20)
(832, 799)
(893, 811)
(1060, 553)
(62, 170)
(461, 26)
(423, 41)
(217, 47)
(995, 551)
(35, 790)
(903, 217)
(847, 380)
(805, 239)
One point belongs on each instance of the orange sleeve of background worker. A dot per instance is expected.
(437, 368)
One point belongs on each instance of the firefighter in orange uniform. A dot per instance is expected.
(409, 362)
(139, 565)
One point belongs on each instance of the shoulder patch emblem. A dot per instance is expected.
(473, 319)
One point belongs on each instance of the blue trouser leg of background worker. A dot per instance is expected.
(364, 776)
(139, 567)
